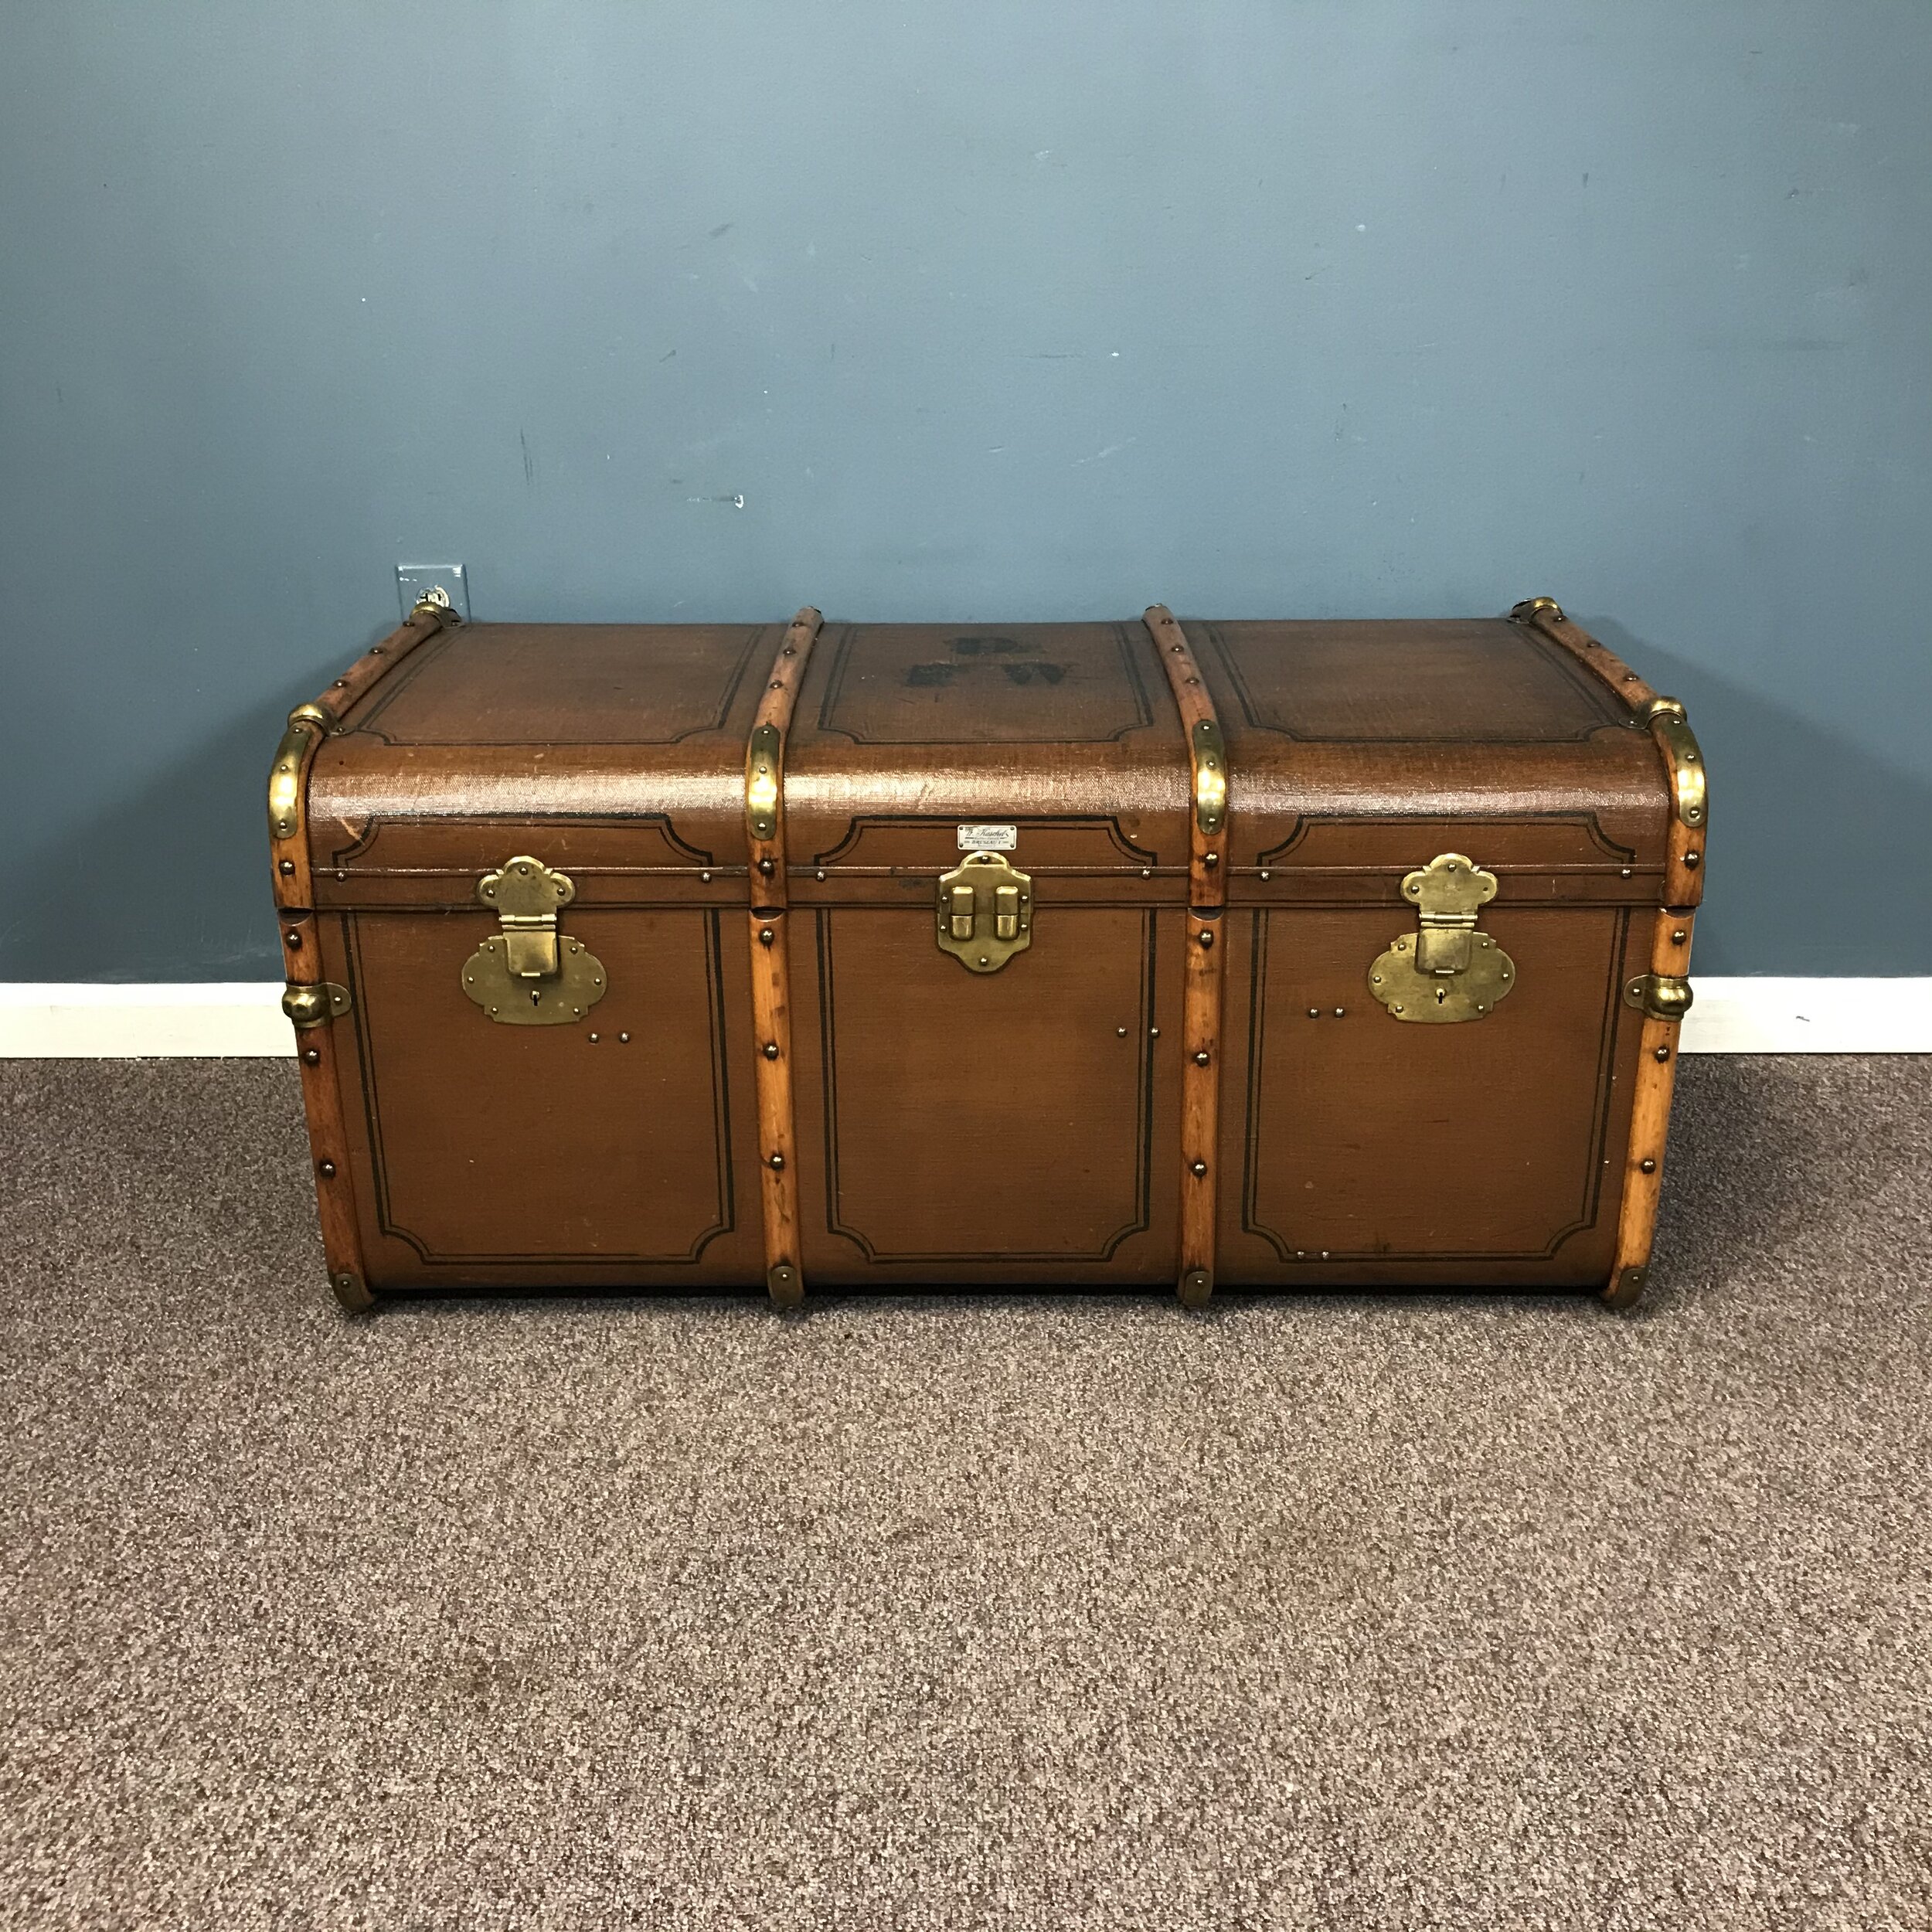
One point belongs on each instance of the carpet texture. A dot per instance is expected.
(1455, 1611)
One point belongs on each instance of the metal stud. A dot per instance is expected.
(1206, 938)
(1693, 858)
(624, 1040)
(1339, 1010)
(287, 867)
(326, 1169)
(1121, 1031)
(1154, 1033)
(1197, 1169)
(765, 867)
(593, 1039)
(1678, 938)
(704, 878)
(777, 1163)
(765, 935)
(1201, 1058)
(1663, 1053)
(294, 938)
(1210, 859)
(1647, 1167)
(312, 1056)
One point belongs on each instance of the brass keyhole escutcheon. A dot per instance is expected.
(1446, 970)
(985, 912)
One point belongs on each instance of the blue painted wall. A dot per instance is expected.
(983, 310)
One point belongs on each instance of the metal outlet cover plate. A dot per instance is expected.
(441, 583)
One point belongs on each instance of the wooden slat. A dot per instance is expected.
(1649, 1118)
(329, 1150)
(288, 849)
(294, 902)
(771, 966)
(1683, 856)
(1546, 615)
(1205, 972)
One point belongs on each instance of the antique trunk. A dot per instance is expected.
(1254, 954)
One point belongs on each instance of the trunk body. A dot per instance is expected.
(1060, 955)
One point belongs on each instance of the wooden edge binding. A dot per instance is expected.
(770, 966)
(312, 1004)
(313, 1007)
(1676, 744)
(308, 724)
(1205, 970)
(1650, 1105)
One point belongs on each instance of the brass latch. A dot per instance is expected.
(530, 974)
(985, 912)
(1448, 970)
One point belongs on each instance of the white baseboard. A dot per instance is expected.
(244, 1020)
(232, 1020)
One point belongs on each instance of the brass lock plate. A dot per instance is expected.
(531, 974)
(1446, 970)
(985, 912)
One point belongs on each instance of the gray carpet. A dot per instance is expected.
(1324, 1612)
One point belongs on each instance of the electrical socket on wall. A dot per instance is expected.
(416, 581)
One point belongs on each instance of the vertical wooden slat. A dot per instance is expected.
(1205, 970)
(770, 969)
(1650, 1117)
(294, 902)
(308, 724)
(1684, 852)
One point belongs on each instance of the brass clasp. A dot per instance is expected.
(1449, 971)
(530, 974)
(985, 912)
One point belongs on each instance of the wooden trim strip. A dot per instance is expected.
(308, 724)
(328, 1152)
(770, 962)
(1649, 1118)
(315, 1049)
(1684, 880)
(1206, 969)
(1545, 615)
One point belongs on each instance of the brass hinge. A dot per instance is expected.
(1448, 970)
(985, 912)
(1670, 726)
(315, 1005)
(435, 603)
(1659, 995)
(1531, 608)
(530, 974)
